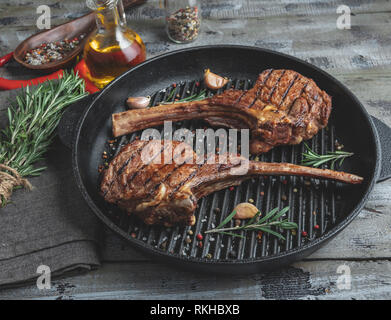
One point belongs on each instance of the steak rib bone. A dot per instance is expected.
(283, 107)
(135, 120)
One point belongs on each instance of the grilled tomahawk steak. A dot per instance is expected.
(142, 182)
(283, 107)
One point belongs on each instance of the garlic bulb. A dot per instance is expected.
(138, 102)
(245, 210)
(214, 81)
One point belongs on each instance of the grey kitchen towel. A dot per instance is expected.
(50, 225)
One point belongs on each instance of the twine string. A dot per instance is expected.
(9, 179)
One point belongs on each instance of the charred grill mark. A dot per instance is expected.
(165, 165)
(190, 176)
(168, 175)
(166, 178)
(260, 88)
(275, 86)
(240, 98)
(267, 77)
(187, 179)
(287, 90)
(131, 158)
(301, 92)
(134, 175)
(225, 167)
(124, 165)
(220, 167)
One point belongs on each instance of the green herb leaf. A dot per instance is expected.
(270, 214)
(274, 233)
(33, 118)
(280, 214)
(232, 234)
(311, 158)
(265, 224)
(195, 97)
(227, 219)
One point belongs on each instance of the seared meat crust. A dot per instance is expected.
(283, 107)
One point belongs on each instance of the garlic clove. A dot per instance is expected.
(245, 210)
(138, 102)
(214, 81)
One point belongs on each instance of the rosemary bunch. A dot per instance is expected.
(263, 224)
(311, 158)
(33, 118)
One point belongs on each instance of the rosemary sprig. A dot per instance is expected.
(311, 158)
(195, 97)
(33, 118)
(263, 224)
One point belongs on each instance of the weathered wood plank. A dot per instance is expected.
(23, 12)
(305, 280)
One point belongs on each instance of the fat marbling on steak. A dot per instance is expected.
(283, 107)
(142, 182)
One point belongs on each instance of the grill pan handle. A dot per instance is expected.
(384, 133)
(67, 126)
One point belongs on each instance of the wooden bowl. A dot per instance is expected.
(83, 25)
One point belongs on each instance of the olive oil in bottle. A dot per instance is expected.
(113, 48)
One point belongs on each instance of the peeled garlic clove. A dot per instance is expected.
(245, 210)
(214, 81)
(138, 102)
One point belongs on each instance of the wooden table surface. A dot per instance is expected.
(360, 58)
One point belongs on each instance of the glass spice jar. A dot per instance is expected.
(113, 48)
(183, 20)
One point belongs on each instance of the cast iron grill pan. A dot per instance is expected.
(328, 205)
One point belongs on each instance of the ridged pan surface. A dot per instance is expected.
(320, 208)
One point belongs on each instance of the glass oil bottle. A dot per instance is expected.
(113, 48)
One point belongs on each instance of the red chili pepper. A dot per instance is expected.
(304, 233)
(199, 237)
(82, 69)
(6, 84)
(316, 226)
(6, 58)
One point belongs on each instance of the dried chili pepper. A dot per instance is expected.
(82, 69)
(6, 58)
(6, 84)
